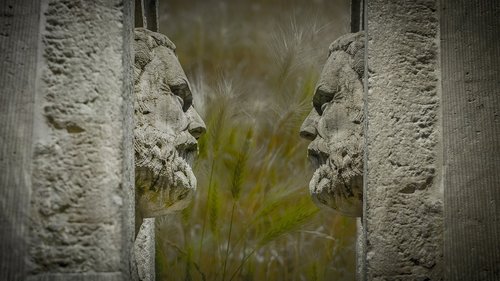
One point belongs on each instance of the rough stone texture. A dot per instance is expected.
(81, 215)
(403, 190)
(335, 127)
(144, 250)
(19, 25)
(470, 56)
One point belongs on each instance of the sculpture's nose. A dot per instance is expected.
(308, 128)
(196, 125)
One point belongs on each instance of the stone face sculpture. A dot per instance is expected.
(165, 141)
(166, 127)
(335, 127)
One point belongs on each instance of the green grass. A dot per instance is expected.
(253, 66)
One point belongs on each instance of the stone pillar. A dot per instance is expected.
(403, 217)
(67, 148)
(470, 56)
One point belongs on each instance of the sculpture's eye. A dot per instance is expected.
(182, 90)
(338, 96)
(181, 101)
(323, 107)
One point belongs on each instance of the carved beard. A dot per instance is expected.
(163, 178)
(338, 183)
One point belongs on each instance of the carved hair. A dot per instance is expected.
(354, 45)
(145, 41)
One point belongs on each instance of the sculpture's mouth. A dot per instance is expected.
(328, 189)
(168, 184)
(317, 157)
(336, 182)
(188, 152)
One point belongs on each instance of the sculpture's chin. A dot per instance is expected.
(165, 191)
(344, 196)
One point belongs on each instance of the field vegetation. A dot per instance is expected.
(253, 66)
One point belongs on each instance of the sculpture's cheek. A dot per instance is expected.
(334, 122)
(169, 116)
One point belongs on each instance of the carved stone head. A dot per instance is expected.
(166, 127)
(335, 128)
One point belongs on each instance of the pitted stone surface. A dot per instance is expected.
(82, 176)
(335, 127)
(404, 217)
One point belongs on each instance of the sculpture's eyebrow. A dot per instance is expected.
(322, 96)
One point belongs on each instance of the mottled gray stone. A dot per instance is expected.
(335, 127)
(403, 218)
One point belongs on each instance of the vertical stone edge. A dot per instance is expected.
(19, 25)
(471, 136)
(128, 139)
(403, 187)
(361, 223)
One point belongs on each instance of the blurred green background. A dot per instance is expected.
(252, 66)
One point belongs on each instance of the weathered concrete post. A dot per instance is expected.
(403, 195)
(67, 130)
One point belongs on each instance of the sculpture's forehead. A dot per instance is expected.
(152, 39)
(337, 76)
(165, 55)
(349, 43)
(334, 71)
(148, 44)
(337, 62)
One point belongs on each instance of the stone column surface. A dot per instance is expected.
(403, 214)
(470, 55)
(67, 163)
